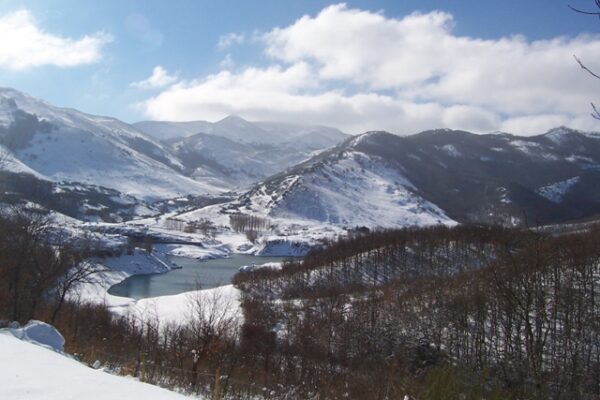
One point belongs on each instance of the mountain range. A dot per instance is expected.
(89, 166)
(89, 163)
(384, 179)
(238, 152)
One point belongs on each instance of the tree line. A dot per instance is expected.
(471, 312)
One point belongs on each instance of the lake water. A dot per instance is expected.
(193, 274)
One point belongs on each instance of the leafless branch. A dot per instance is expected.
(595, 114)
(587, 12)
(582, 65)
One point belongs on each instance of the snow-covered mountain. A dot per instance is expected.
(62, 144)
(239, 130)
(240, 152)
(109, 169)
(380, 179)
(345, 187)
(208, 157)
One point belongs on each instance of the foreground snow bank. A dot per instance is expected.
(40, 333)
(33, 372)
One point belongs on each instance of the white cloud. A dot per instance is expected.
(292, 94)
(24, 45)
(230, 39)
(159, 78)
(227, 62)
(361, 70)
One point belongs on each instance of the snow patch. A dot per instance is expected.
(556, 191)
(450, 150)
(40, 333)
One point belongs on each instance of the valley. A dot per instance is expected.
(299, 200)
(254, 227)
(123, 187)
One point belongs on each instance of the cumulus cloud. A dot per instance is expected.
(25, 45)
(361, 70)
(159, 79)
(292, 94)
(230, 39)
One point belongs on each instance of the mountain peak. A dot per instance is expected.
(562, 130)
(561, 134)
(233, 118)
(368, 136)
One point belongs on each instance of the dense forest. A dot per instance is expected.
(469, 312)
(473, 311)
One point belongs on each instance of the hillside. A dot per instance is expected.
(30, 371)
(239, 152)
(63, 144)
(380, 179)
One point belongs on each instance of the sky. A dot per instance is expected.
(399, 65)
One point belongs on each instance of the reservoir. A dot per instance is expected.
(193, 274)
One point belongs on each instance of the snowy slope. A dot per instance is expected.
(215, 157)
(8, 162)
(438, 176)
(350, 189)
(240, 152)
(33, 372)
(556, 191)
(168, 130)
(67, 145)
(210, 157)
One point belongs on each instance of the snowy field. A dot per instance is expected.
(33, 370)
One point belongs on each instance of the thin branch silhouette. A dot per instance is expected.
(587, 12)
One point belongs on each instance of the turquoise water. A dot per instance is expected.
(193, 274)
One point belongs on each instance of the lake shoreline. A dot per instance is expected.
(188, 274)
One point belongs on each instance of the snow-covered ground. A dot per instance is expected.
(556, 191)
(69, 145)
(42, 372)
(351, 189)
(289, 236)
(179, 308)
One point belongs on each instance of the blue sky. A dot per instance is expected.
(310, 67)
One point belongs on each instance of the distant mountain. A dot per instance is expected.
(60, 144)
(239, 130)
(239, 152)
(101, 168)
(380, 179)
(89, 166)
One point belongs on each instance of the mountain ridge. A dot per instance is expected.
(471, 178)
(376, 178)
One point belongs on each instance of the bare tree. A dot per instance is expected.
(213, 323)
(82, 272)
(595, 112)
